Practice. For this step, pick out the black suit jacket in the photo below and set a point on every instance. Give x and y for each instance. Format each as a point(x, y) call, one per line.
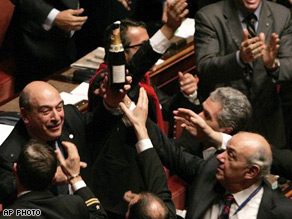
point(204, 188)
point(39, 52)
point(75, 130)
point(217, 39)
point(62, 206)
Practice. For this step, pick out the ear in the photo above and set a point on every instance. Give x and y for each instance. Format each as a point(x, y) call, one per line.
point(227, 130)
point(253, 172)
point(24, 116)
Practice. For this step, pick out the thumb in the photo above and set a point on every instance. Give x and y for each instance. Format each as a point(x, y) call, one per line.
point(262, 37)
point(245, 34)
point(180, 75)
point(83, 164)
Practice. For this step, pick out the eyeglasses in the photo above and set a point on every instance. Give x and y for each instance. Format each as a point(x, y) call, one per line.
point(133, 46)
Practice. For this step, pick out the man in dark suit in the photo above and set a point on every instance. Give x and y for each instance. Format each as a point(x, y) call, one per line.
point(155, 201)
point(44, 117)
point(43, 37)
point(35, 171)
point(112, 148)
point(239, 171)
point(228, 55)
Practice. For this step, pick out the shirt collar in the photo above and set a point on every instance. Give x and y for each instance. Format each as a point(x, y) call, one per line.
point(243, 13)
point(241, 196)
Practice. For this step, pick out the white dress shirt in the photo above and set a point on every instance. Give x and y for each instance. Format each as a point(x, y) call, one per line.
point(250, 210)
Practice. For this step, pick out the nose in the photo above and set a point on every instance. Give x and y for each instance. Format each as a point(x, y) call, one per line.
point(221, 157)
point(55, 115)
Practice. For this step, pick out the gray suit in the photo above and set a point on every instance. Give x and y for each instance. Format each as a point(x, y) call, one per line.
point(219, 35)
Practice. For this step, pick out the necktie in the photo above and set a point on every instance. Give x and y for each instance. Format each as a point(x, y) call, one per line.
point(250, 25)
point(228, 200)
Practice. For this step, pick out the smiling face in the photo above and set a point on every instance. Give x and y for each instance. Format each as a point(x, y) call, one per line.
point(45, 118)
point(249, 5)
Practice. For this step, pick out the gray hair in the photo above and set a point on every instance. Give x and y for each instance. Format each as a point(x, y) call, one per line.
point(236, 109)
point(263, 159)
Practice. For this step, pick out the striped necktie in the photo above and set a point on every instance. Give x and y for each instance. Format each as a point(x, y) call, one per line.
point(228, 200)
point(250, 25)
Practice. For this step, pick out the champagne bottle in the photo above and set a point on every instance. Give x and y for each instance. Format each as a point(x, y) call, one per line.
point(116, 60)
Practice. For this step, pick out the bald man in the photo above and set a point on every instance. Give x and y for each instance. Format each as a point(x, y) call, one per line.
point(238, 172)
point(44, 117)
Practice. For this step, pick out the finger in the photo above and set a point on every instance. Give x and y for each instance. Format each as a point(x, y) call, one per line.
point(125, 109)
point(70, 148)
point(180, 76)
point(83, 164)
point(245, 34)
point(59, 156)
point(262, 37)
point(78, 11)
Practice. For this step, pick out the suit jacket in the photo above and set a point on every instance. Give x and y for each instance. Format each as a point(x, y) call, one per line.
point(39, 52)
point(62, 206)
point(204, 188)
point(217, 39)
point(74, 130)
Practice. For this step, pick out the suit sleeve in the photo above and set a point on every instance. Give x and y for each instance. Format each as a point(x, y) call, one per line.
point(142, 61)
point(36, 9)
point(173, 156)
point(94, 207)
point(154, 177)
point(212, 63)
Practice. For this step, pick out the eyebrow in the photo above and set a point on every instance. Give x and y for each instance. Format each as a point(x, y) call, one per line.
point(47, 106)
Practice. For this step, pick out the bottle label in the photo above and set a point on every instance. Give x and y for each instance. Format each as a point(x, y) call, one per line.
point(119, 73)
point(116, 48)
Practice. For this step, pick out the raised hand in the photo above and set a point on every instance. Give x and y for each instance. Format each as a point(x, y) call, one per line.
point(70, 20)
point(138, 116)
point(176, 13)
point(251, 49)
point(71, 165)
point(198, 127)
point(270, 51)
point(112, 97)
point(188, 83)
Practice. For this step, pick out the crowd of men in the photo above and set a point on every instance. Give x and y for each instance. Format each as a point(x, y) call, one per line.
point(108, 162)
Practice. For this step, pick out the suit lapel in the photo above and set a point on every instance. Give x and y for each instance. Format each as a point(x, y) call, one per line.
point(265, 21)
point(233, 22)
point(267, 203)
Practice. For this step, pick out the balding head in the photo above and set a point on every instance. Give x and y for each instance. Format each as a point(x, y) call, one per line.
point(41, 108)
point(259, 151)
point(246, 161)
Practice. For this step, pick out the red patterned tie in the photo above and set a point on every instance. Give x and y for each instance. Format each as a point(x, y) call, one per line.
point(228, 200)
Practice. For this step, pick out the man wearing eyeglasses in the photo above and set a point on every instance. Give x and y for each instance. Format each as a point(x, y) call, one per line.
point(114, 151)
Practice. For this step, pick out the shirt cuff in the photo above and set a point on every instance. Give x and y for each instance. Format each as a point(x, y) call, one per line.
point(78, 185)
point(143, 145)
point(50, 19)
point(159, 42)
point(193, 98)
point(239, 60)
point(225, 140)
